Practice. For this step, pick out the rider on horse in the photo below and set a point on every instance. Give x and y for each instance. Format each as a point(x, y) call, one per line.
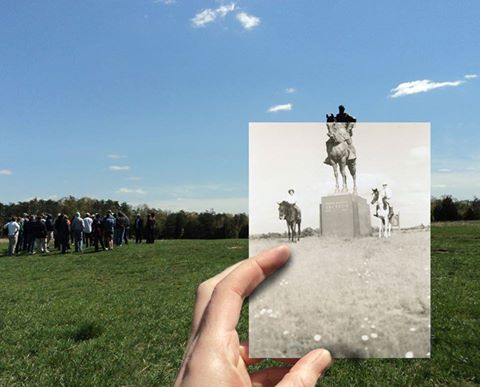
point(348, 122)
point(292, 199)
point(386, 196)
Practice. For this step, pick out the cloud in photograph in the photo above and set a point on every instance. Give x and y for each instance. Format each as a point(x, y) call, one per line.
point(290, 90)
point(116, 156)
point(280, 108)
point(247, 21)
point(166, 2)
point(209, 15)
point(138, 191)
point(471, 76)
point(117, 168)
point(421, 86)
point(6, 172)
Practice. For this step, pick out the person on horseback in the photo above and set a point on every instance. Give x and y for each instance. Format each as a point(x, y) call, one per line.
point(342, 118)
point(386, 197)
point(292, 199)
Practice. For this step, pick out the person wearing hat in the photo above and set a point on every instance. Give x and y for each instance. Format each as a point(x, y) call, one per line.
point(345, 119)
point(386, 196)
point(292, 199)
point(108, 228)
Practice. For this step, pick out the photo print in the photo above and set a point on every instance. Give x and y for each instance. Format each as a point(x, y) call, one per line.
point(352, 201)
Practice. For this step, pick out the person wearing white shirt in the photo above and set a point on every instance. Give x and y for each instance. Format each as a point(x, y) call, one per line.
point(292, 199)
point(386, 196)
point(13, 229)
point(87, 231)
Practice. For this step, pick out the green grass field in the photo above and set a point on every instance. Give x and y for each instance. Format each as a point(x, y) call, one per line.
point(122, 317)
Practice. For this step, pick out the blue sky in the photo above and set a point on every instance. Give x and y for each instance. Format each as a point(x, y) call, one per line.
point(165, 90)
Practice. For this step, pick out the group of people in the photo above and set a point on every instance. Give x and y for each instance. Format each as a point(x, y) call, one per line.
point(31, 234)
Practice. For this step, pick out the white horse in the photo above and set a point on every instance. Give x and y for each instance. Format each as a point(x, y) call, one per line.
point(384, 213)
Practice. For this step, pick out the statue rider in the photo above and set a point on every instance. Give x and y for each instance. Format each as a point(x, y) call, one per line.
point(342, 118)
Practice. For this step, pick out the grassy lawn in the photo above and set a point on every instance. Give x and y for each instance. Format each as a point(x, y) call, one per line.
point(122, 317)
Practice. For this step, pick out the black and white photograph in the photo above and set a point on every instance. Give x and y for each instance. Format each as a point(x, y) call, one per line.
point(352, 201)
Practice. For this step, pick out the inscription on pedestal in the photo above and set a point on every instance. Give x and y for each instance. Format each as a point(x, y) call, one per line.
point(345, 215)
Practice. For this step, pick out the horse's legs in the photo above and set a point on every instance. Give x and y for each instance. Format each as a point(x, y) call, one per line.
point(352, 167)
point(288, 231)
point(344, 175)
point(335, 172)
point(299, 230)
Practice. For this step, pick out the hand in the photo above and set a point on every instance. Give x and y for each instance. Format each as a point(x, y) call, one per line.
point(214, 355)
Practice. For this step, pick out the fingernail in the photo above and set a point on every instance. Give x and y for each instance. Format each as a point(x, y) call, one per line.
point(324, 356)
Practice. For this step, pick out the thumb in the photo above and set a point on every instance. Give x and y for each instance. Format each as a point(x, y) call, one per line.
point(308, 369)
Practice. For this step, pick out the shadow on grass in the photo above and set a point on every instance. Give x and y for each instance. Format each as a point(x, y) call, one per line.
point(86, 331)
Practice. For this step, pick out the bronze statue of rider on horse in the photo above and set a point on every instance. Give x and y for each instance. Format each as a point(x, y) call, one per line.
point(348, 122)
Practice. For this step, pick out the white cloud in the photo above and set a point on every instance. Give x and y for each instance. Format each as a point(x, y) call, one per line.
point(119, 167)
point(280, 108)
point(209, 15)
point(421, 86)
point(290, 90)
point(248, 21)
point(166, 2)
point(6, 172)
point(116, 157)
point(471, 76)
point(134, 178)
point(444, 170)
point(138, 191)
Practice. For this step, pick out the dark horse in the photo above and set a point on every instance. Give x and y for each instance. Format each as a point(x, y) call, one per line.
point(292, 214)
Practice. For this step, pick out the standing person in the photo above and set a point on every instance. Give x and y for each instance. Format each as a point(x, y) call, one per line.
point(29, 234)
point(119, 229)
point(50, 228)
point(138, 229)
point(126, 234)
point(87, 232)
point(150, 229)
point(25, 233)
point(98, 232)
point(108, 229)
point(56, 225)
point(63, 233)
point(21, 223)
point(78, 226)
point(40, 235)
point(13, 229)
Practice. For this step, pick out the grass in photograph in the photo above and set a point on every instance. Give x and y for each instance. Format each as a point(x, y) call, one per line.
point(122, 317)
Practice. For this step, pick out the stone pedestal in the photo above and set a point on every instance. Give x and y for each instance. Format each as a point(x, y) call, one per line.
point(345, 215)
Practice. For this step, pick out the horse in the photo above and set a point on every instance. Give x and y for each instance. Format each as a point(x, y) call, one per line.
point(384, 212)
point(293, 216)
point(338, 148)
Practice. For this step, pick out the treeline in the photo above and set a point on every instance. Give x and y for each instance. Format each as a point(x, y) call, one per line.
point(169, 225)
point(448, 208)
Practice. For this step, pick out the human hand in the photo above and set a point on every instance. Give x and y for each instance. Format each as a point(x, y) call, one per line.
point(214, 355)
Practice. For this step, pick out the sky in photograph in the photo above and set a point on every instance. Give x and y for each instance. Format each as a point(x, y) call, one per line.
point(149, 101)
point(285, 156)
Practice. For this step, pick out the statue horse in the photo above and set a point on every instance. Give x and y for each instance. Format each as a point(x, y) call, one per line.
point(338, 148)
point(384, 212)
point(293, 216)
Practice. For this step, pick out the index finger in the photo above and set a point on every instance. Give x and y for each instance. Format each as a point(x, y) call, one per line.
point(223, 310)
